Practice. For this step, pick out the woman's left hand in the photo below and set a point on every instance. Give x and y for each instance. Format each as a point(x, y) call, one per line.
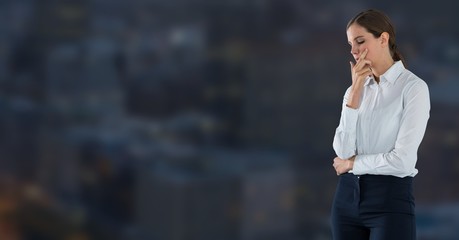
point(343, 165)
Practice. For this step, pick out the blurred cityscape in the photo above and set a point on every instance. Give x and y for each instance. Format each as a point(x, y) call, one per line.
point(200, 119)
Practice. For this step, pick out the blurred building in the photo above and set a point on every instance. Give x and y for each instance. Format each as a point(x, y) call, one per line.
point(437, 222)
point(144, 119)
point(217, 195)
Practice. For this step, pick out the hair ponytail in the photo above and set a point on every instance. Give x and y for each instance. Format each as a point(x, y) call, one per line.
point(396, 55)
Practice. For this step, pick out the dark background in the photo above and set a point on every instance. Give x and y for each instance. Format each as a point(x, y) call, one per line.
point(200, 119)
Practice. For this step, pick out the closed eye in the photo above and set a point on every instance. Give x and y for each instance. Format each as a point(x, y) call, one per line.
point(358, 41)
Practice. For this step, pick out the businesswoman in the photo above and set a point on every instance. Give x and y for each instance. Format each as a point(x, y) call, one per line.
point(383, 120)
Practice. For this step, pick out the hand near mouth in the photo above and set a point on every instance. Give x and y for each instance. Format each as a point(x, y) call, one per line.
point(360, 71)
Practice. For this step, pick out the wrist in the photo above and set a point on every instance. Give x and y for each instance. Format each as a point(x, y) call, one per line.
point(354, 98)
point(356, 86)
point(350, 163)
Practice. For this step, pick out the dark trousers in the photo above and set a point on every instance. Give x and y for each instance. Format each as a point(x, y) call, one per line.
point(373, 207)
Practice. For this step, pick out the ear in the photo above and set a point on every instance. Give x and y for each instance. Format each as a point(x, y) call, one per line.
point(384, 39)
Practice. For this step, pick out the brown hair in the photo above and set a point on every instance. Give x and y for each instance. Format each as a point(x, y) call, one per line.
point(376, 22)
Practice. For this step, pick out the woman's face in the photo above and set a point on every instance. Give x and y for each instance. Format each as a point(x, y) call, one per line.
point(360, 39)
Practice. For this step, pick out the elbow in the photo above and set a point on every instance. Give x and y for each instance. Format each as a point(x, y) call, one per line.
point(337, 149)
point(403, 164)
point(340, 151)
point(343, 154)
point(344, 146)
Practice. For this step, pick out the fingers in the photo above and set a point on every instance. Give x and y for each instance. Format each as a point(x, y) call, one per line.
point(362, 61)
point(364, 72)
point(364, 54)
point(362, 67)
point(337, 162)
point(361, 64)
point(360, 70)
point(341, 165)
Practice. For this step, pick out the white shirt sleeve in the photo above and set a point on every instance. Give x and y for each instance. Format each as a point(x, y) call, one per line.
point(344, 142)
point(402, 159)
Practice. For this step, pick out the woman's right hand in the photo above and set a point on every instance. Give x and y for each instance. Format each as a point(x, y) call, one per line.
point(360, 71)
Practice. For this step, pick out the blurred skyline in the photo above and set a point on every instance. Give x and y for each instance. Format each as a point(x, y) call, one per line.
point(199, 119)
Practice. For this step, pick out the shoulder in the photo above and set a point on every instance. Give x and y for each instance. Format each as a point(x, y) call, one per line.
point(411, 82)
point(414, 89)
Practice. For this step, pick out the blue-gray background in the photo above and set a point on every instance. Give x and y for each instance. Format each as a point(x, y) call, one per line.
point(200, 119)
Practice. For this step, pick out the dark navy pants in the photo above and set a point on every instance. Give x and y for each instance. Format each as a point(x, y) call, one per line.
point(373, 207)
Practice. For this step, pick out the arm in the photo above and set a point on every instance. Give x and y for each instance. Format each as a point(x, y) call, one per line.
point(344, 142)
point(402, 159)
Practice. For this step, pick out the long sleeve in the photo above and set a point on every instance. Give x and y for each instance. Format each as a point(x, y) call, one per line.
point(402, 159)
point(344, 142)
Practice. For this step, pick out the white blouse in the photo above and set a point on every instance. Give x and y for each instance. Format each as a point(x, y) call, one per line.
point(385, 131)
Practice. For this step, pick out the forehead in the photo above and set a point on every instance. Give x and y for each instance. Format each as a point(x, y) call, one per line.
point(356, 30)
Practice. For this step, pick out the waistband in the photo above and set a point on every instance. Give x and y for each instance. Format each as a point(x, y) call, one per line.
point(379, 178)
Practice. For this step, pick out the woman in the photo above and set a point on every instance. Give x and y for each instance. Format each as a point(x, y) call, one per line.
point(383, 120)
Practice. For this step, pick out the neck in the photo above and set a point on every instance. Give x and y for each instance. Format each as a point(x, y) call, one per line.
point(380, 68)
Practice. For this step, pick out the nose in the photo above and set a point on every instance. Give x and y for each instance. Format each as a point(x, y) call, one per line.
point(354, 50)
